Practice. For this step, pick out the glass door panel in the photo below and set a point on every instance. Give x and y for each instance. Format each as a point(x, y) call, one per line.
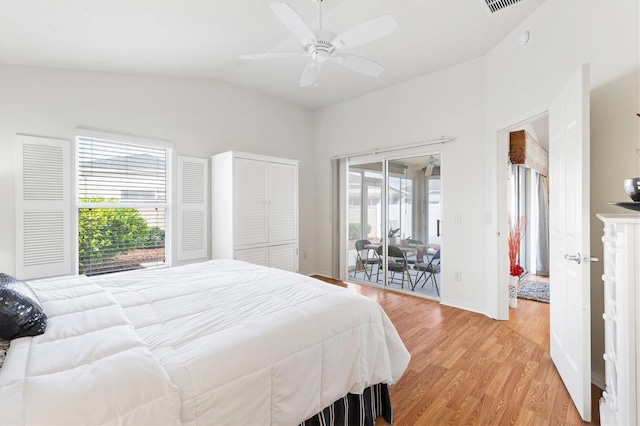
point(414, 215)
point(400, 214)
point(434, 210)
point(364, 221)
point(429, 275)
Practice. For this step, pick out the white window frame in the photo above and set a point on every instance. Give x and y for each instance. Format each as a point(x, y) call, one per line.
point(82, 133)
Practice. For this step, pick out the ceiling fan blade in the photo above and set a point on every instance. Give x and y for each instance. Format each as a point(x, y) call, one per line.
point(271, 55)
point(366, 32)
point(310, 74)
point(293, 21)
point(360, 65)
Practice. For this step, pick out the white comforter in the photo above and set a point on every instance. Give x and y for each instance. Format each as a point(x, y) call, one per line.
point(89, 367)
point(243, 344)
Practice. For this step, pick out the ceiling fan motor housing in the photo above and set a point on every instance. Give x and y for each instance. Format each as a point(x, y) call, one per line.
point(322, 48)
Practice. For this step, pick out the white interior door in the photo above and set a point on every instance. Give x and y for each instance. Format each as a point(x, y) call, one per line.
point(569, 239)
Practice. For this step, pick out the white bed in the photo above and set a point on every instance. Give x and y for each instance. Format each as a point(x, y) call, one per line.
point(220, 342)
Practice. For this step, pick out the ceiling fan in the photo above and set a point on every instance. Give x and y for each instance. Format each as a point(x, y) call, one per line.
point(322, 45)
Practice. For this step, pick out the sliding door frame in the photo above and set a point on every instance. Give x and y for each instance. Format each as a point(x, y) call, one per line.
point(384, 158)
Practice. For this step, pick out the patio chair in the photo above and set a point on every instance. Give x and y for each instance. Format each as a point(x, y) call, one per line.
point(432, 268)
point(396, 263)
point(363, 259)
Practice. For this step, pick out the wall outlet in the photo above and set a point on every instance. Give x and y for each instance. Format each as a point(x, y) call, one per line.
point(458, 218)
point(304, 254)
point(457, 276)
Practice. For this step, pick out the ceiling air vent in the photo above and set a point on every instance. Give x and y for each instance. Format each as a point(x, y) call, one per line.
point(497, 5)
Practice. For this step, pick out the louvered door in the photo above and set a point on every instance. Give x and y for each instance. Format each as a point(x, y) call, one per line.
point(283, 195)
point(43, 240)
point(284, 257)
point(251, 201)
point(257, 256)
point(192, 208)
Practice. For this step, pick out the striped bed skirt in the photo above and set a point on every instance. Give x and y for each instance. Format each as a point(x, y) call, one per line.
point(356, 410)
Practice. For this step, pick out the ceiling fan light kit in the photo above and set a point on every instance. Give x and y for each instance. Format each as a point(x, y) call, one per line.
point(322, 45)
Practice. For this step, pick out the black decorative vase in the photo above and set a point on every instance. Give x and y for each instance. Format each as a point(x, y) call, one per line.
point(632, 187)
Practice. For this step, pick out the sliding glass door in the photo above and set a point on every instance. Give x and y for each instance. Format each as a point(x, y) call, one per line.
point(364, 220)
point(394, 219)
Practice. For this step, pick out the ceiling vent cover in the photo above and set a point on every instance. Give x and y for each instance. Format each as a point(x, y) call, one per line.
point(497, 5)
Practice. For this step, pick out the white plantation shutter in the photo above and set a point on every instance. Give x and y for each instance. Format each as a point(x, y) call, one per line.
point(193, 175)
point(43, 238)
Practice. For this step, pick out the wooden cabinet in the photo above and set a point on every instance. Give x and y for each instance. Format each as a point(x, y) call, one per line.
point(254, 206)
point(620, 401)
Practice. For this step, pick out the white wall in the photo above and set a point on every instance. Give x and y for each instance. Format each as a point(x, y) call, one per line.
point(447, 103)
point(472, 102)
point(520, 80)
point(201, 117)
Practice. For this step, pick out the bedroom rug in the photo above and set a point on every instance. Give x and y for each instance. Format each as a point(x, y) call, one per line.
point(534, 290)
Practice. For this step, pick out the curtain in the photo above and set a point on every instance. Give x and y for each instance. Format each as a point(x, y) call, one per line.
point(542, 246)
point(338, 211)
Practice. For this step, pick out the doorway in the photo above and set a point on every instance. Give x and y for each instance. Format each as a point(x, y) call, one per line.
point(529, 207)
point(569, 234)
point(394, 214)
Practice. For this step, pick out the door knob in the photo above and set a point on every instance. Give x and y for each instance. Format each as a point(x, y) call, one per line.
point(575, 258)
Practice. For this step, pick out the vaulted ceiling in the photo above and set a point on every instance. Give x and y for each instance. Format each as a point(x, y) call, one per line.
point(203, 39)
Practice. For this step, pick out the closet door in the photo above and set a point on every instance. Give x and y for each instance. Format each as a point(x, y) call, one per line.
point(251, 202)
point(257, 256)
point(284, 257)
point(283, 202)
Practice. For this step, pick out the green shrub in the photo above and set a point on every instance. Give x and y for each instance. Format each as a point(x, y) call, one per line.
point(154, 238)
point(354, 231)
point(106, 232)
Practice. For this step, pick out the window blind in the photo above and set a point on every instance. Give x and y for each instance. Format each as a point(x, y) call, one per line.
point(122, 209)
point(121, 172)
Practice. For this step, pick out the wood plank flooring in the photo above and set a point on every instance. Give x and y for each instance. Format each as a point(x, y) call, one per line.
point(467, 369)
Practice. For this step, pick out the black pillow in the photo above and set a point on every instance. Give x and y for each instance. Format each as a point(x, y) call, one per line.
point(21, 313)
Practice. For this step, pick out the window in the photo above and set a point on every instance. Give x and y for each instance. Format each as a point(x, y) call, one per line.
point(122, 207)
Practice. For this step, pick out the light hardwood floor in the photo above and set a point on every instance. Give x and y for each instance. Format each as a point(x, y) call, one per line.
point(467, 369)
